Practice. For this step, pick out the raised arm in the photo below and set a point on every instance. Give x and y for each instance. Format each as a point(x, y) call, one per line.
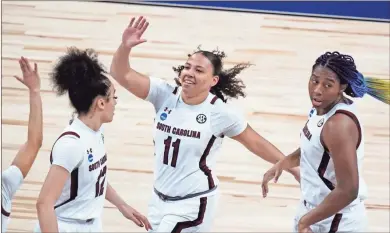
point(136, 83)
point(25, 157)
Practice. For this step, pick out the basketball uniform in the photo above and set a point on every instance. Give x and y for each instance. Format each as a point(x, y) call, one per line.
point(186, 142)
point(11, 180)
point(81, 151)
point(318, 176)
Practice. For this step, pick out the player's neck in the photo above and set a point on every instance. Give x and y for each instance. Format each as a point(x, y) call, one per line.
point(92, 122)
point(194, 100)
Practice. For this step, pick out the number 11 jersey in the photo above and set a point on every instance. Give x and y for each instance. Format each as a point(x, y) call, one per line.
point(81, 151)
point(187, 139)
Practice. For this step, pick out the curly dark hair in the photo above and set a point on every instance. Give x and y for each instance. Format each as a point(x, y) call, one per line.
point(228, 86)
point(80, 74)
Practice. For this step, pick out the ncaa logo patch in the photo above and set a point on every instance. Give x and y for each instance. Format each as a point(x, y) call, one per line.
point(311, 112)
point(90, 157)
point(201, 118)
point(163, 116)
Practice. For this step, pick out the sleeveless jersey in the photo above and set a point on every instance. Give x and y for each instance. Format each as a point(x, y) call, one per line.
point(81, 151)
point(187, 139)
point(318, 176)
point(11, 180)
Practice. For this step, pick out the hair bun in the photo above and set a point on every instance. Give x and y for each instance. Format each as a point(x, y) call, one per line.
point(76, 68)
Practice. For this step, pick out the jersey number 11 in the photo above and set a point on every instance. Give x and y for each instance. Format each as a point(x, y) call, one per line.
point(175, 145)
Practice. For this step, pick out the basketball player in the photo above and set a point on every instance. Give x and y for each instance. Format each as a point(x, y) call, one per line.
point(331, 149)
point(191, 121)
point(12, 178)
point(73, 194)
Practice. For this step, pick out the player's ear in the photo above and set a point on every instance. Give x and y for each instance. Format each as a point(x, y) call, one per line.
point(99, 103)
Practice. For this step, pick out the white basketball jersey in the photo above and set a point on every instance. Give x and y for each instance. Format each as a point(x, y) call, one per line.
point(11, 180)
point(318, 176)
point(83, 195)
point(187, 139)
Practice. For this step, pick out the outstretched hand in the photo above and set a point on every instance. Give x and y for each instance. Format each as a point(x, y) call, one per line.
point(133, 215)
point(273, 173)
point(132, 35)
point(31, 77)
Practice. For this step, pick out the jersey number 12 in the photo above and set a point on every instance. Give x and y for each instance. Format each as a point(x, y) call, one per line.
point(100, 186)
point(175, 145)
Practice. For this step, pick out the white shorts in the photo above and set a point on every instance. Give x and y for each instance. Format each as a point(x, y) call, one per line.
point(352, 219)
point(190, 215)
point(76, 226)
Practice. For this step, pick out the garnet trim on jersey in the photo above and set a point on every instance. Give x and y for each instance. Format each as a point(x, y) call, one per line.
point(202, 163)
point(74, 175)
point(4, 212)
point(335, 223)
point(334, 226)
point(199, 220)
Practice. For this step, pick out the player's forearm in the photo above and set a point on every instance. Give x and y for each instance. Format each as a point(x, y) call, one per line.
point(113, 197)
point(47, 218)
point(332, 204)
point(35, 123)
point(291, 161)
point(120, 65)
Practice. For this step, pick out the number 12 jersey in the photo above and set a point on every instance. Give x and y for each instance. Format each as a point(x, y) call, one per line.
point(81, 151)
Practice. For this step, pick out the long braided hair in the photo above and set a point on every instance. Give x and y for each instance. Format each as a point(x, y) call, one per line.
point(357, 85)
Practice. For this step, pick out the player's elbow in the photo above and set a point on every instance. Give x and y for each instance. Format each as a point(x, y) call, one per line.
point(351, 191)
point(35, 143)
point(43, 205)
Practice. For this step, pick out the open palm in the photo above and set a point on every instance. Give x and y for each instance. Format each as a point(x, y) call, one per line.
point(132, 35)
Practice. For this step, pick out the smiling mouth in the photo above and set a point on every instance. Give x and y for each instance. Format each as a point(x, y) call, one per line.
point(188, 82)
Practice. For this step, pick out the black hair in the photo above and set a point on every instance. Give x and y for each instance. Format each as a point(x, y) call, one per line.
point(228, 86)
point(345, 69)
point(80, 74)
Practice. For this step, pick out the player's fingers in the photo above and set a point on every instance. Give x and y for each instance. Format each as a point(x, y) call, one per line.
point(265, 189)
point(138, 21)
point(146, 222)
point(35, 67)
point(136, 220)
point(141, 24)
point(18, 78)
point(277, 175)
point(27, 63)
point(131, 22)
point(22, 66)
point(143, 29)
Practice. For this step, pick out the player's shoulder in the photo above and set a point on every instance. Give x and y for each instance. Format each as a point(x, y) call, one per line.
point(221, 109)
point(69, 137)
point(163, 83)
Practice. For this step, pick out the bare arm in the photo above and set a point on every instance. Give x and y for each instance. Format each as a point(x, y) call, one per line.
point(50, 192)
point(136, 83)
point(127, 211)
point(259, 146)
point(113, 197)
point(25, 157)
point(292, 160)
point(340, 135)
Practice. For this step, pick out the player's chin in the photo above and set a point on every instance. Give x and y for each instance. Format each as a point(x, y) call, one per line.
point(189, 90)
point(110, 118)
